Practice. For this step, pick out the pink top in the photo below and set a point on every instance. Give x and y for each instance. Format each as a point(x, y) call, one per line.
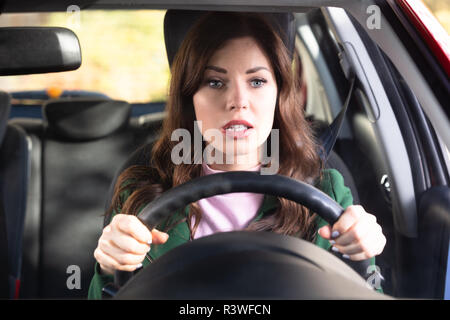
point(227, 212)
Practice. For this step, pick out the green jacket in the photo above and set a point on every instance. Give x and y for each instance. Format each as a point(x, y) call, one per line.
point(331, 184)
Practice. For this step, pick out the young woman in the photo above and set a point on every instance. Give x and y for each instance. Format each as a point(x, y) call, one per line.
point(234, 76)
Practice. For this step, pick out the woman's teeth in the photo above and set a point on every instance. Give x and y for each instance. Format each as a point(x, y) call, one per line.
point(237, 127)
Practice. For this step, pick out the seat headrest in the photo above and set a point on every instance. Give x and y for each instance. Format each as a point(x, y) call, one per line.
point(5, 110)
point(178, 22)
point(84, 119)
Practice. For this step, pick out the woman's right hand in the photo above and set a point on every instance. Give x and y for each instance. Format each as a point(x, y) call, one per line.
point(124, 244)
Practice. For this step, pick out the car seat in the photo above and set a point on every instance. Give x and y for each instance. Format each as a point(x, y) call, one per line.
point(71, 157)
point(6, 282)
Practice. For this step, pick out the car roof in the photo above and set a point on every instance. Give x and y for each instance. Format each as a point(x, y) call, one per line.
point(243, 5)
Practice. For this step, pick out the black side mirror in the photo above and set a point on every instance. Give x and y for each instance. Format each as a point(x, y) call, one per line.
point(29, 50)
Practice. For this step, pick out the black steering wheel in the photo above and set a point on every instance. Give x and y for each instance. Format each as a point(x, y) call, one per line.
point(245, 265)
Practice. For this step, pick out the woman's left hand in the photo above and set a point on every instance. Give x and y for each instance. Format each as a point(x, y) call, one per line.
point(356, 234)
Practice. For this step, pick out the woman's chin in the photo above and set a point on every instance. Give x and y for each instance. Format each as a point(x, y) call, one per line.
point(240, 155)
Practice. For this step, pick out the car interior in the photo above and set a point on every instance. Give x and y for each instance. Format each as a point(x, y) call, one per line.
point(60, 157)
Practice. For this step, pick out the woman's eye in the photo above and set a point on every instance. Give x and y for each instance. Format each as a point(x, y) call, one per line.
point(256, 83)
point(216, 84)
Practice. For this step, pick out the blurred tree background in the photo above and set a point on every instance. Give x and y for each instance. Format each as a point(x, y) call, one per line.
point(123, 54)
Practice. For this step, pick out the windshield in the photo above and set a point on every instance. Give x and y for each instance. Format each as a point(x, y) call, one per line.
point(72, 135)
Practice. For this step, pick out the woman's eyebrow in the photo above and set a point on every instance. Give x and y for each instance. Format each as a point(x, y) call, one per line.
point(255, 69)
point(221, 70)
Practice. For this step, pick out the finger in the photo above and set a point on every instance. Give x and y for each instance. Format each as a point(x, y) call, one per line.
point(159, 237)
point(325, 232)
point(105, 261)
point(350, 216)
point(370, 247)
point(356, 234)
point(128, 244)
point(120, 256)
point(359, 256)
point(134, 227)
point(351, 249)
point(109, 264)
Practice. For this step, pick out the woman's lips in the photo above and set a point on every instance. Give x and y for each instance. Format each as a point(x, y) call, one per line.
point(238, 122)
point(237, 134)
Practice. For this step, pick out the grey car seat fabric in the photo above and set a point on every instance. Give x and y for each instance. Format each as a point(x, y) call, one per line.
point(336, 162)
point(72, 156)
point(13, 184)
point(5, 110)
point(6, 281)
point(178, 22)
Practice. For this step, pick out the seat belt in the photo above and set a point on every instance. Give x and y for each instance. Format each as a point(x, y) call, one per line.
point(328, 139)
point(330, 135)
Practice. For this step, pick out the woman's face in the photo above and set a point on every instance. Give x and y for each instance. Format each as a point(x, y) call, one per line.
point(237, 98)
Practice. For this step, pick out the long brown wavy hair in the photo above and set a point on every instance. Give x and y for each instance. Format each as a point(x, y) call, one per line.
point(298, 157)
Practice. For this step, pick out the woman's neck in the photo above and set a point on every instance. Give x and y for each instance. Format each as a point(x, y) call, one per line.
point(238, 162)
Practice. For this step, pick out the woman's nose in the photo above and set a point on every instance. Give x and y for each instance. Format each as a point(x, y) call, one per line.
point(238, 96)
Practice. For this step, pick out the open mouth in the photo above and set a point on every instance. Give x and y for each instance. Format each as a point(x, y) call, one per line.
point(237, 129)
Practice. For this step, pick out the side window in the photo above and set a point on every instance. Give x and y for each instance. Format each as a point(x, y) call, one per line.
point(317, 105)
point(326, 84)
